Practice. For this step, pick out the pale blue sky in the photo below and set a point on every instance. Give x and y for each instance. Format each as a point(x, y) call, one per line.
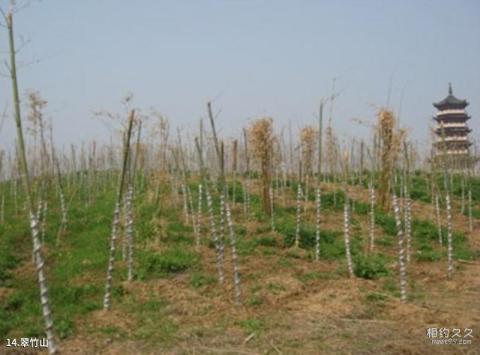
point(256, 58)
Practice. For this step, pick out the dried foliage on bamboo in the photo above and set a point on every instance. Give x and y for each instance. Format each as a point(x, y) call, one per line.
point(261, 139)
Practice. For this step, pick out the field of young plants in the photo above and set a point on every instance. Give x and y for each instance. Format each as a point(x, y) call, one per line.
point(275, 241)
point(159, 244)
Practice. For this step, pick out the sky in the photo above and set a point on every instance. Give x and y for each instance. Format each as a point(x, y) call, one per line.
point(252, 58)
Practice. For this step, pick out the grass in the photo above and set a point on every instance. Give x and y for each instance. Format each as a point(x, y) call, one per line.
point(153, 320)
point(387, 222)
point(461, 248)
point(8, 244)
point(76, 269)
point(375, 305)
point(313, 276)
point(198, 280)
point(275, 288)
point(251, 325)
point(425, 240)
point(161, 264)
point(419, 187)
point(255, 300)
point(391, 287)
point(267, 241)
point(426, 253)
point(82, 252)
point(332, 245)
point(370, 267)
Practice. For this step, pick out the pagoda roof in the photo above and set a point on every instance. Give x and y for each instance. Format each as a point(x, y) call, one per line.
point(450, 100)
point(452, 117)
point(453, 144)
point(453, 129)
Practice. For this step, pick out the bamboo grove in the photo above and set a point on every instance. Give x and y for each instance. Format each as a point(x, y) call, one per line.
point(219, 184)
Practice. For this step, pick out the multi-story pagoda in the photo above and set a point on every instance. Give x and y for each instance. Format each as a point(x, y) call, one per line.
point(452, 143)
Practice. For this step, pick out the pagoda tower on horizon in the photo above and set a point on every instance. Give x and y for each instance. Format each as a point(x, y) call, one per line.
point(452, 144)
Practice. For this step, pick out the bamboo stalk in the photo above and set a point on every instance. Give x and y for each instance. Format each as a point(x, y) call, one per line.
point(470, 216)
point(272, 211)
point(346, 234)
point(320, 137)
point(401, 249)
point(34, 227)
point(129, 231)
point(213, 230)
point(116, 214)
point(297, 230)
point(408, 223)
point(318, 203)
point(233, 245)
point(439, 222)
point(372, 217)
point(199, 216)
point(449, 237)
